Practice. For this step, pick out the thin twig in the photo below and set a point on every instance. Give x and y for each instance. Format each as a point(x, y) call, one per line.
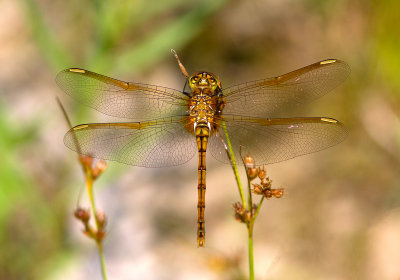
point(78, 148)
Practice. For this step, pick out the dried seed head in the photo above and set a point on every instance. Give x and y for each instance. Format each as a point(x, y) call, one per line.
point(261, 173)
point(238, 207)
point(92, 168)
point(101, 219)
point(249, 161)
point(266, 183)
point(86, 161)
point(247, 217)
point(100, 234)
point(267, 193)
point(98, 169)
point(278, 193)
point(257, 189)
point(239, 218)
point(251, 173)
point(241, 214)
point(82, 215)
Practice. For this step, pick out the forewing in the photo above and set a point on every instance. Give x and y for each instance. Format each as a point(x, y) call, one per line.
point(147, 144)
point(121, 99)
point(265, 98)
point(275, 140)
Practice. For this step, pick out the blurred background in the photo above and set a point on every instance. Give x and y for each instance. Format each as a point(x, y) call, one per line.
point(340, 218)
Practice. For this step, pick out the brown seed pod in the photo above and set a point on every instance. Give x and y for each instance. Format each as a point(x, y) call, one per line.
point(261, 173)
point(249, 161)
point(98, 169)
point(257, 189)
point(101, 219)
point(278, 193)
point(82, 214)
point(266, 183)
point(252, 173)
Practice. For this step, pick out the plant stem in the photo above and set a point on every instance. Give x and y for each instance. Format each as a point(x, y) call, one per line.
point(250, 227)
point(251, 255)
point(258, 208)
point(250, 224)
point(89, 186)
point(102, 260)
point(233, 161)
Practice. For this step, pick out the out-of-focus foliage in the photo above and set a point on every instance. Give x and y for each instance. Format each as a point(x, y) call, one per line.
point(28, 222)
point(123, 35)
point(341, 217)
point(385, 45)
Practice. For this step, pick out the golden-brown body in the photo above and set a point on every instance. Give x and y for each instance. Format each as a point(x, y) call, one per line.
point(204, 107)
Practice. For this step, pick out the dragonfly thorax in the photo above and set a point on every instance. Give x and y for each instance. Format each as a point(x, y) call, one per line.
point(201, 110)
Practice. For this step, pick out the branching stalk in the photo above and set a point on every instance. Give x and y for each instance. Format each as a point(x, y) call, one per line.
point(91, 174)
point(249, 214)
point(250, 223)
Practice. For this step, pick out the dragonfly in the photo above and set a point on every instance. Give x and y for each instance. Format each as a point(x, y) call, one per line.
point(167, 127)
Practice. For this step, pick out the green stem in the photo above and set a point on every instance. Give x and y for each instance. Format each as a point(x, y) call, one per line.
point(89, 186)
point(250, 224)
point(102, 260)
point(258, 208)
point(251, 255)
point(234, 167)
point(250, 235)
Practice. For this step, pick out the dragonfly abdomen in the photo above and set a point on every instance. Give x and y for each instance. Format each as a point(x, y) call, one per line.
point(202, 133)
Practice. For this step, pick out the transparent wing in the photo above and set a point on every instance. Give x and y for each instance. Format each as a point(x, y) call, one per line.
point(275, 140)
point(264, 98)
point(121, 99)
point(148, 144)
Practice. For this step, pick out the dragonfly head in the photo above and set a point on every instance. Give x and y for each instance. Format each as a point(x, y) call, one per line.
point(204, 80)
